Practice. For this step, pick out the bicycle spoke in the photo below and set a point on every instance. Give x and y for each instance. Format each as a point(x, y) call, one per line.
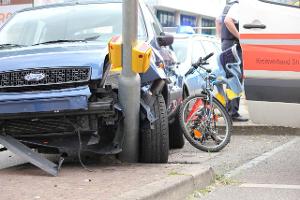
point(206, 124)
point(194, 109)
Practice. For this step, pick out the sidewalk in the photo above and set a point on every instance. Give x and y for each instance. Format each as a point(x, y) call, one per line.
point(106, 181)
point(251, 128)
point(186, 171)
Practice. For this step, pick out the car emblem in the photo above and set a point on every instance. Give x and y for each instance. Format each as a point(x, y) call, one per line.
point(36, 76)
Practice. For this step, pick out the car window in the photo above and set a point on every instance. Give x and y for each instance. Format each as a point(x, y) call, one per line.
point(155, 23)
point(67, 23)
point(293, 3)
point(198, 50)
point(210, 47)
point(142, 32)
point(181, 49)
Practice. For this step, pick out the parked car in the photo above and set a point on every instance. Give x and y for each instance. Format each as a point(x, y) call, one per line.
point(56, 86)
point(188, 49)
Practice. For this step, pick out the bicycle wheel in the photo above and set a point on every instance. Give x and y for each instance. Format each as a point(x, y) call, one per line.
point(207, 127)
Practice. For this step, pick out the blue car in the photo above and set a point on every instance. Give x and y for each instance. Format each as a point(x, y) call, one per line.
point(58, 94)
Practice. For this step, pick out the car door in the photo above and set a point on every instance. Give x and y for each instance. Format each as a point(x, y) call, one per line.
point(270, 39)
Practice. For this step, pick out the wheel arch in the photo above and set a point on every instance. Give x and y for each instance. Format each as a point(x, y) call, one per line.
point(185, 92)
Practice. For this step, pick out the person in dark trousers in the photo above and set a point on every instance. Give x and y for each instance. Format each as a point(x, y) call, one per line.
point(229, 37)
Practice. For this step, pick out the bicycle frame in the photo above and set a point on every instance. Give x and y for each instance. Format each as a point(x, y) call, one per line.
point(219, 94)
point(208, 91)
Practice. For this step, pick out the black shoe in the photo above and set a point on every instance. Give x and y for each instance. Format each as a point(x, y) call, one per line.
point(239, 119)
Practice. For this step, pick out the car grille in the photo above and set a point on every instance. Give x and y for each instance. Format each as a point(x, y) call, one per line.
point(29, 126)
point(51, 76)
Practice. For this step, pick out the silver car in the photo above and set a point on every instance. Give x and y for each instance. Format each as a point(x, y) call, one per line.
point(188, 49)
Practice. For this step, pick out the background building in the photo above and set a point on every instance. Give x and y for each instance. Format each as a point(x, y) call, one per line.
point(8, 7)
point(14, 2)
point(196, 13)
point(33, 2)
point(170, 13)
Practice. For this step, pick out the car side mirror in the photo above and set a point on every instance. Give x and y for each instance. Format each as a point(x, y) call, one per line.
point(165, 40)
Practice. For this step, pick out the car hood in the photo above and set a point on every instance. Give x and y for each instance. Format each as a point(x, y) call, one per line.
point(58, 55)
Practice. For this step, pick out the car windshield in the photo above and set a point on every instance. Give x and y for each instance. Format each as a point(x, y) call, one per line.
point(65, 23)
point(181, 49)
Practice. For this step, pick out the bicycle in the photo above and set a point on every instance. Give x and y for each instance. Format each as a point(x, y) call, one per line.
point(204, 120)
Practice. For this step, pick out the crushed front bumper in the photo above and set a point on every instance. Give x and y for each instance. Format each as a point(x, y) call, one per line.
point(44, 101)
point(71, 101)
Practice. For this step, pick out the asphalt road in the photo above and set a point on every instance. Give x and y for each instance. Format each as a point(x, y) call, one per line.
point(272, 175)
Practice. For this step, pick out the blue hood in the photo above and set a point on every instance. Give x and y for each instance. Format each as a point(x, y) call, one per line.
point(78, 54)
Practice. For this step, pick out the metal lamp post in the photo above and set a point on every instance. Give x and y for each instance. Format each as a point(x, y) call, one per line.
point(129, 83)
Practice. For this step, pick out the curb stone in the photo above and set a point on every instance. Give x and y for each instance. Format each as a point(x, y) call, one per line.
point(176, 186)
point(254, 129)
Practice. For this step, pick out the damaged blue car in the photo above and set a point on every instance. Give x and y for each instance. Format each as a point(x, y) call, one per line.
point(58, 94)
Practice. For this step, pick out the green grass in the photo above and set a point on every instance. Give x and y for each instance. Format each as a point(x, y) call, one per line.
point(219, 180)
point(223, 180)
point(174, 173)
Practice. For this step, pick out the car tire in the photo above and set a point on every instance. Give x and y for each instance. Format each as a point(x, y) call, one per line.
point(154, 146)
point(176, 134)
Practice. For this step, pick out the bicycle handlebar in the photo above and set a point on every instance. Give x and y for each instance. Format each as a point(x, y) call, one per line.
point(208, 56)
point(200, 63)
point(191, 70)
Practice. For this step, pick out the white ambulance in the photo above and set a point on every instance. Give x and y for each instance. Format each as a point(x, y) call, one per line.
point(270, 39)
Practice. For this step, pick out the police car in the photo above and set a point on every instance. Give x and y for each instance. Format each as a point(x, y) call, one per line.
point(188, 49)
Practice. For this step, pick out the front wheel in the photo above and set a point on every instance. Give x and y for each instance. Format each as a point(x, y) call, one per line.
point(207, 126)
point(154, 144)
